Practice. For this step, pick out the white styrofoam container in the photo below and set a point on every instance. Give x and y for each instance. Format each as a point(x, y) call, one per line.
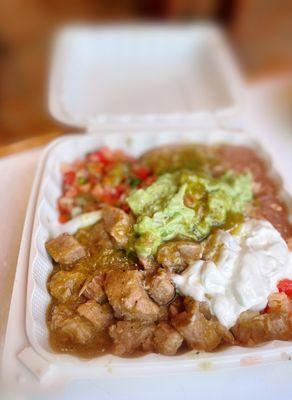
point(130, 88)
point(110, 76)
point(40, 265)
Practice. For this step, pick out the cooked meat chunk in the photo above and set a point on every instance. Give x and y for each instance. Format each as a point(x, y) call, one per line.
point(118, 224)
point(65, 249)
point(191, 306)
point(167, 340)
point(161, 288)
point(178, 254)
point(149, 264)
point(77, 329)
point(60, 313)
point(176, 307)
point(94, 236)
point(131, 336)
point(106, 260)
point(128, 297)
point(280, 302)
point(70, 328)
point(279, 326)
point(64, 284)
point(163, 313)
point(100, 316)
point(93, 288)
point(199, 332)
point(252, 328)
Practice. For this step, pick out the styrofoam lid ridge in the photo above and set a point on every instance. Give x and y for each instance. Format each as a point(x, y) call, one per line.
point(109, 72)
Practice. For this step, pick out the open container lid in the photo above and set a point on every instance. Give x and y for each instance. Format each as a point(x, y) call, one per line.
point(111, 75)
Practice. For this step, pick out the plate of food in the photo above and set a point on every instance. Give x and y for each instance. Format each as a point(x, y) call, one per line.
point(167, 249)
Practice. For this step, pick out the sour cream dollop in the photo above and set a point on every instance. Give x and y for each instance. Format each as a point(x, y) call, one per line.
point(245, 272)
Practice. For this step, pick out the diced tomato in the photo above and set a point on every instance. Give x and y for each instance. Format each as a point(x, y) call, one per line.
point(85, 188)
point(141, 172)
point(64, 218)
point(69, 177)
point(93, 157)
point(65, 204)
point(189, 200)
point(125, 207)
point(71, 192)
point(123, 188)
point(285, 286)
point(148, 181)
point(97, 191)
point(94, 169)
point(151, 180)
point(103, 155)
point(93, 180)
point(110, 199)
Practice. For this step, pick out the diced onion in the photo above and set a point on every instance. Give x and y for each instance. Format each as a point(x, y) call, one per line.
point(81, 221)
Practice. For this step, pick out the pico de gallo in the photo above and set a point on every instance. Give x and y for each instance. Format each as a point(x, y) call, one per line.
point(104, 176)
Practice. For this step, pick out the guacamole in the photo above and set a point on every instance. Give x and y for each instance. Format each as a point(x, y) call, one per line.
point(184, 204)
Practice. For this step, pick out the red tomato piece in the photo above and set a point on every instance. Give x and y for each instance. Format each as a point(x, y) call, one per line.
point(64, 218)
point(148, 181)
point(69, 177)
point(94, 169)
point(93, 157)
point(105, 155)
point(141, 172)
point(125, 207)
point(97, 191)
point(285, 286)
point(85, 188)
point(71, 192)
point(65, 204)
point(110, 199)
point(123, 188)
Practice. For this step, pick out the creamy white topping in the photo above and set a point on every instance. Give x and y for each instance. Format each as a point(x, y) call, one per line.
point(246, 271)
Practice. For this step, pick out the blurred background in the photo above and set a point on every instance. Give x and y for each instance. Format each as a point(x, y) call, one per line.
point(260, 32)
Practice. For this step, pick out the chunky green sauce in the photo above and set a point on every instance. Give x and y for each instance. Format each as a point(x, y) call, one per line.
point(185, 204)
point(193, 157)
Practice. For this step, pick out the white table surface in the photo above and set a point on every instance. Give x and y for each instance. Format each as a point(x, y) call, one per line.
point(274, 381)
